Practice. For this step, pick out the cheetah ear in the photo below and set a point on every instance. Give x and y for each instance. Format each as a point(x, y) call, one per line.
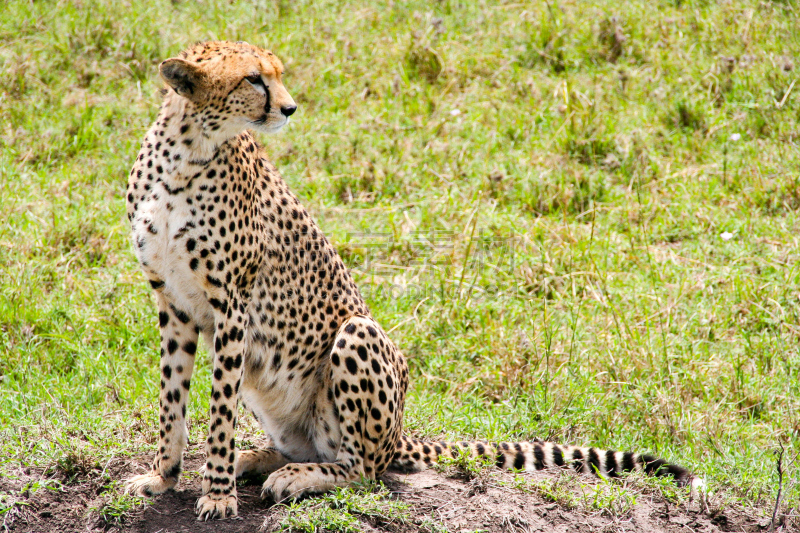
point(185, 77)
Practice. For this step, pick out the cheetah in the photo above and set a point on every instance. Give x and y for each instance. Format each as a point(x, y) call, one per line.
point(231, 254)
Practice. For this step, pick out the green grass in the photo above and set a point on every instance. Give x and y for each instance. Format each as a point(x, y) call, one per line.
point(609, 497)
point(13, 502)
point(117, 507)
point(533, 197)
point(342, 510)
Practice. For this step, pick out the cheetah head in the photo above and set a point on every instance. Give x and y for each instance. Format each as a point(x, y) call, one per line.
point(232, 87)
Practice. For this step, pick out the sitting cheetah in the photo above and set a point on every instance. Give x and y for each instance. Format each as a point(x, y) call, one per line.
point(231, 253)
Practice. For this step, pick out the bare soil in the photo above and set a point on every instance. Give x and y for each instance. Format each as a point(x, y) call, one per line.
point(459, 505)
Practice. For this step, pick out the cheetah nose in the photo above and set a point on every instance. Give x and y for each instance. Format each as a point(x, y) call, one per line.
point(288, 110)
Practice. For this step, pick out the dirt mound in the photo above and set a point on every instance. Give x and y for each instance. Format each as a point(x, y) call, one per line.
point(493, 507)
point(498, 502)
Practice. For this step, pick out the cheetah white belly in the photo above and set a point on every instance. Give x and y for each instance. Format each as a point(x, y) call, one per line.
point(285, 410)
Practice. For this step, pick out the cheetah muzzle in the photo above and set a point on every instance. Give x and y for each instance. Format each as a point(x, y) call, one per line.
point(232, 254)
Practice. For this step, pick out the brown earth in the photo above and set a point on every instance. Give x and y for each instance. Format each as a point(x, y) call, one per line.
point(486, 504)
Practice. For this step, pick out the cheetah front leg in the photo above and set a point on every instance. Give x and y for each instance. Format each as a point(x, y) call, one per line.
point(219, 498)
point(178, 347)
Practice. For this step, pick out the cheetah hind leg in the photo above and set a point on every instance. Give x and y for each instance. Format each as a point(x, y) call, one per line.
point(362, 361)
point(252, 463)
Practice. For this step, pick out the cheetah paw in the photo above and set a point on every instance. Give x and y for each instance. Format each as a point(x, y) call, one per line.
point(286, 483)
point(149, 484)
point(209, 508)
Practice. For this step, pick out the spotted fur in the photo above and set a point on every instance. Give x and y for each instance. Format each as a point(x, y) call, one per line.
point(232, 254)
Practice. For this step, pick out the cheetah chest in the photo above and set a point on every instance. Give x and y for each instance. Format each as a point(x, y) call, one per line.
point(161, 228)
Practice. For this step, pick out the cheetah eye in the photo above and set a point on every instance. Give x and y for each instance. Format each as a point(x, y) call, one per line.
point(257, 83)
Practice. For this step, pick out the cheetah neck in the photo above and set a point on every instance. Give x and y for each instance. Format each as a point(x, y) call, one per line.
point(186, 141)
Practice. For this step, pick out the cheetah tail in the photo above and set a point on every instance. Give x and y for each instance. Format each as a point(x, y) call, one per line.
point(414, 455)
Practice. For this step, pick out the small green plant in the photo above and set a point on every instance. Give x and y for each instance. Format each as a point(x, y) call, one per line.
point(9, 509)
point(73, 464)
point(609, 497)
point(341, 510)
point(432, 526)
point(320, 517)
point(12, 502)
point(613, 497)
point(465, 466)
point(560, 489)
point(664, 487)
point(35, 485)
point(688, 116)
point(422, 59)
point(118, 506)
